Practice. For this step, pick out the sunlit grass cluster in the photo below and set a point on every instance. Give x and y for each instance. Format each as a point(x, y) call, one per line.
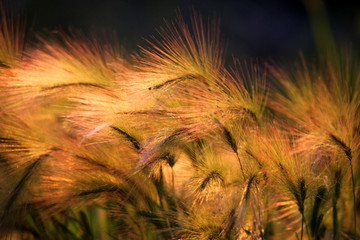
point(171, 143)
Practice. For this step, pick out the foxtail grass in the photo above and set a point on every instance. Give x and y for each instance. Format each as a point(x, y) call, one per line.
point(171, 143)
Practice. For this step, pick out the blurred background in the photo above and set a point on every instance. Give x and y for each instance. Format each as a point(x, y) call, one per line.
point(276, 29)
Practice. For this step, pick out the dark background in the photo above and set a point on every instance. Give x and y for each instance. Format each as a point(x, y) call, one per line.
point(276, 29)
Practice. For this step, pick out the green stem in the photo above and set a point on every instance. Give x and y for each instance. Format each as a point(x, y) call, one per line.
point(173, 180)
point(241, 167)
point(334, 202)
point(335, 223)
point(354, 197)
point(302, 225)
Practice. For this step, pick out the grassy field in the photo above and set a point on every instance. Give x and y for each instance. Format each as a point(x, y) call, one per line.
point(172, 143)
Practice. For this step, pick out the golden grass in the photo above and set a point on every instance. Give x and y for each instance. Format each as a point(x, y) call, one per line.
point(173, 145)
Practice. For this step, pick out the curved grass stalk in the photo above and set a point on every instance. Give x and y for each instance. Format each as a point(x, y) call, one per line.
point(240, 212)
point(69, 85)
point(17, 190)
point(348, 154)
point(179, 79)
point(232, 143)
point(134, 142)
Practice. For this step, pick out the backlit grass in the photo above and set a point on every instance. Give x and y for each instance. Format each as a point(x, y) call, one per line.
point(171, 143)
